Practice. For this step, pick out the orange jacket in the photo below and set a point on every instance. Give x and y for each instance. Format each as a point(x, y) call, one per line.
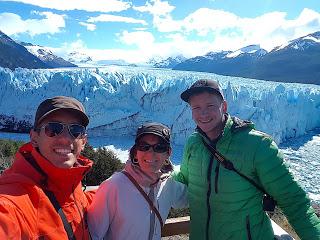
point(25, 210)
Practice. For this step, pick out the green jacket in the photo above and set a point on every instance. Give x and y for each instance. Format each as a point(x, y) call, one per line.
point(223, 205)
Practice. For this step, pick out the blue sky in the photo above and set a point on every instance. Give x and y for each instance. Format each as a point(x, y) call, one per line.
point(136, 31)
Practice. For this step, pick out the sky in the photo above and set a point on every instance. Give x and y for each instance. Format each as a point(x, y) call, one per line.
point(136, 31)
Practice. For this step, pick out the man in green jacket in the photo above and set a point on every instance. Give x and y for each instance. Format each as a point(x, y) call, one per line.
point(223, 204)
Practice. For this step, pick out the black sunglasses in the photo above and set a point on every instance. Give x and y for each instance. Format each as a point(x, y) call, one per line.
point(53, 129)
point(158, 148)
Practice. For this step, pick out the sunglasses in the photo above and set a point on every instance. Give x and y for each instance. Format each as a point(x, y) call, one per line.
point(158, 148)
point(52, 129)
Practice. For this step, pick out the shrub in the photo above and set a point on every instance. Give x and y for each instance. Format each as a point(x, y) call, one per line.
point(7, 150)
point(105, 164)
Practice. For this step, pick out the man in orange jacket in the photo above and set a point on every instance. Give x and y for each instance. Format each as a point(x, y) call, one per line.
point(41, 194)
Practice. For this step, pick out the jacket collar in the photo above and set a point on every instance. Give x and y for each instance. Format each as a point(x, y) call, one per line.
point(57, 179)
point(232, 124)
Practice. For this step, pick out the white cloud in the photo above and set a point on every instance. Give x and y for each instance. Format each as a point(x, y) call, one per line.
point(90, 6)
point(114, 18)
point(160, 11)
point(156, 8)
point(205, 20)
point(167, 24)
point(51, 23)
point(227, 31)
point(142, 39)
point(89, 26)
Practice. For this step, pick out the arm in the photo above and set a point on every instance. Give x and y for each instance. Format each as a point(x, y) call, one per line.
point(279, 183)
point(180, 194)
point(182, 174)
point(9, 227)
point(100, 211)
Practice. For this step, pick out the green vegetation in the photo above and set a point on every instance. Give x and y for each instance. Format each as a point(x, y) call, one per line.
point(7, 150)
point(105, 164)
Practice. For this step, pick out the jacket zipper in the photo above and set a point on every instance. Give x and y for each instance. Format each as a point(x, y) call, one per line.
point(248, 228)
point(208, 196)
point(216, 177)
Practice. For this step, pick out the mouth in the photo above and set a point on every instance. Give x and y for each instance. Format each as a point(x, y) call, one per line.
point(63, 151)
point(205, 121)
point(149, 161)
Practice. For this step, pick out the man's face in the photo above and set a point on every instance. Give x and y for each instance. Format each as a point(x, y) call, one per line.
point(208, 112)
point(61, 150)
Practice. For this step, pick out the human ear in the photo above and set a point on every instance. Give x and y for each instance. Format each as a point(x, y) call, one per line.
point(224, 106)
point(84, 140)
point(169, 151)
point(34, 135)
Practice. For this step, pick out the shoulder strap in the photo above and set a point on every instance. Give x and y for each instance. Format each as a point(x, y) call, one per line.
point(51, 196)
point(229, 165)
point(56, 205)
point(154, 209)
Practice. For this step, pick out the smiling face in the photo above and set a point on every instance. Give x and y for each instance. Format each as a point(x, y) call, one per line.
point(208, 113)
point(61, 150)
point(151, 161)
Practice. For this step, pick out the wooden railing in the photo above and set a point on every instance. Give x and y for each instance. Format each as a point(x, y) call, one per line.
point(176, 226)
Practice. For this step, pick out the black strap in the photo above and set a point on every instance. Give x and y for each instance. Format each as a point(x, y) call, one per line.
point(229, 165)
point(51, 196)
point(56, 205)
point(146, 197)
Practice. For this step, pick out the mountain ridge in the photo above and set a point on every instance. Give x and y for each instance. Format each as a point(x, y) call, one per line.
point(297, 61)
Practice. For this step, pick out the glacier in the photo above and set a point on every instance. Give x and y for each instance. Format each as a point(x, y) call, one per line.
point(119, 98)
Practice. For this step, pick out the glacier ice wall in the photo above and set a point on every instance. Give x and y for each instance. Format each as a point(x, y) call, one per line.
point(118, 99)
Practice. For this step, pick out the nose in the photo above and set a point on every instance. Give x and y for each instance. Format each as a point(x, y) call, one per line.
point(204, 111)
point(65, 135)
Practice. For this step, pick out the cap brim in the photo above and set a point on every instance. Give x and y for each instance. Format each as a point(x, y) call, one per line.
point(191, 91)
point(84, 117)
point(153, 133)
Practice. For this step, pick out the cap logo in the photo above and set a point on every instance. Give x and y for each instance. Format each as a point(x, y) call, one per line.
point(165, 132)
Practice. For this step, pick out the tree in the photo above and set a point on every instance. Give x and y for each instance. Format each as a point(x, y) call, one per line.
point(105, 164)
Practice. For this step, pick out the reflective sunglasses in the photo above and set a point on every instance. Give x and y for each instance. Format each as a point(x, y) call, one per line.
point(52, 129)
point(158, 148)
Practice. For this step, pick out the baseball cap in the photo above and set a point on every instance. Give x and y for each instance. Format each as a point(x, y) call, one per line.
point(51, 105)
point(154, 128)
point(203, 85)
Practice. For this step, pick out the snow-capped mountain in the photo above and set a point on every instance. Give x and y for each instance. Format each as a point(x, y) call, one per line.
point(46, 55)
point(296, 61)
point(170, 62)
point(253, 50)
point(77, 57)
point(118, 99)
point(14, 55)
point(301, 44)
point(229, 63)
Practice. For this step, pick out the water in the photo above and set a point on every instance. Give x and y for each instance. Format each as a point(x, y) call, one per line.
point(301, 155)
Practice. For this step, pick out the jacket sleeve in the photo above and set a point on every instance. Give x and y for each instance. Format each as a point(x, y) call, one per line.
point(182, 174)
point(101, 210)
point(90, 194)
point(179, 194)
point(280, 184)
point(9, 221)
